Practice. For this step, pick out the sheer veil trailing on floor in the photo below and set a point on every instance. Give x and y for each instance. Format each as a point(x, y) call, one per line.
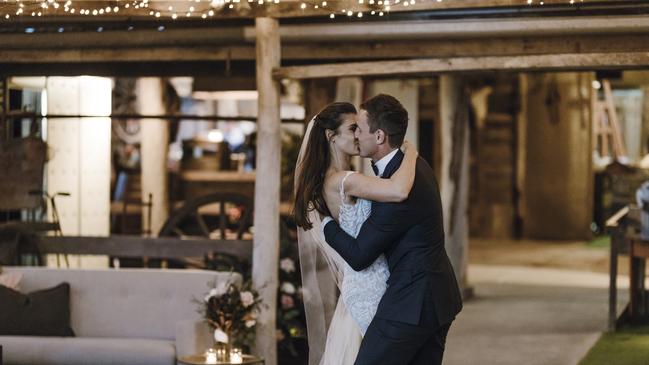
point(333, 339)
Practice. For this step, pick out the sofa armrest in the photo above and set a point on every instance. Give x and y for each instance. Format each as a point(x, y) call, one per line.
point(192, 337)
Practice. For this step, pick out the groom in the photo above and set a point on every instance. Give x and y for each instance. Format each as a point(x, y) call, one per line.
point(422, 298)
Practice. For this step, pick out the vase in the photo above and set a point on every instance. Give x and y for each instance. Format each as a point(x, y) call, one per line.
point(222, 351)
point(223, 348)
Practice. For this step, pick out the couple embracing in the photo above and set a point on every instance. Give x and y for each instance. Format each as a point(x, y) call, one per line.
point(380, 237)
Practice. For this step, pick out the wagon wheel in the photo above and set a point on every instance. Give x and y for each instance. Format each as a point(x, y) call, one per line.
point(214, 216)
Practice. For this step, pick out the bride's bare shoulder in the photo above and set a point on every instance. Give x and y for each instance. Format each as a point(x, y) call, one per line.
point(333, 180)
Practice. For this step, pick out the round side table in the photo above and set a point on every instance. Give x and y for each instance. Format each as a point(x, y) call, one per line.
point(199, 359)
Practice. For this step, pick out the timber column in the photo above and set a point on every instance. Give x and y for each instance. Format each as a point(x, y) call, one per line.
point(265, 255)
point(154, 151)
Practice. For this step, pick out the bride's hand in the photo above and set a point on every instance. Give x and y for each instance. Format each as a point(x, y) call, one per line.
point(406, 147)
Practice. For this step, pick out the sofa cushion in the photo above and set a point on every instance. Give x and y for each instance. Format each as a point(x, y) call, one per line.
point(11, 280)
point(27, 350)
point(41, 313)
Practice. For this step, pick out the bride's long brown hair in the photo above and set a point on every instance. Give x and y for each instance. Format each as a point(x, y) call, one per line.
point(315, 162)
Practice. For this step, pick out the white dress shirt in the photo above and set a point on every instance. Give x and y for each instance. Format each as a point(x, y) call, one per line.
point(383, 163)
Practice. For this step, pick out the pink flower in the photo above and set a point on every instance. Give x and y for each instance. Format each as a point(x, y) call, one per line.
point(287, 302)
point(247, 299)
point(287, 265)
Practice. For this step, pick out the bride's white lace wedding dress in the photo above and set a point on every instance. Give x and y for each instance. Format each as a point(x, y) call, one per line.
point(360, 291)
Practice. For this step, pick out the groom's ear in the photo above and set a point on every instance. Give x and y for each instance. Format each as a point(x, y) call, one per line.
point(381, 137)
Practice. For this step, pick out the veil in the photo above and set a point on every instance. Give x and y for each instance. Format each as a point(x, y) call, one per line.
point(322, 273)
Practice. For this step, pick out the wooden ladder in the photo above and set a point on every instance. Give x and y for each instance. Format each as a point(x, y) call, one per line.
point(606, 128)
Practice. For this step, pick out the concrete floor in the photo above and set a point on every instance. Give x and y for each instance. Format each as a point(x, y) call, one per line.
point(571, 255)
point(527, 315)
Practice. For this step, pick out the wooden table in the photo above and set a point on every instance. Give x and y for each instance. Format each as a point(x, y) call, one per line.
point(199, 359)
point(198, 183)
point(638, 255)
point(623, 228)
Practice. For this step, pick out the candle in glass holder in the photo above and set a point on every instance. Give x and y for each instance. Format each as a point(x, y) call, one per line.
point(221, 355)
point(236, 356)
point(210, 356)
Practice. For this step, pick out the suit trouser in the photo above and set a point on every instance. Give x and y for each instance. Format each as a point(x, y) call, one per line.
point(395, 343)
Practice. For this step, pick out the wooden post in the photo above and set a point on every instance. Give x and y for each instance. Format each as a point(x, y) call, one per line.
point(154, 150)
point(521, 153)
point(265, 255)
point(454, 182)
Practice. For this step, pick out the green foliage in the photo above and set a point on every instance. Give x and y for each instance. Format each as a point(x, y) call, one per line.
point(291, 318)
point(600, 242)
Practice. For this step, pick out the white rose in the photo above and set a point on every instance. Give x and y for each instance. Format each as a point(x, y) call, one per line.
point(287, 265)
point(247, 299)
point(250, 323)
point(220, 289)
point(288, 288)
point(220, 336)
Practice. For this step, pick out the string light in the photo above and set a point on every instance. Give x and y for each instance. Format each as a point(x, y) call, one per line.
point(202, 9)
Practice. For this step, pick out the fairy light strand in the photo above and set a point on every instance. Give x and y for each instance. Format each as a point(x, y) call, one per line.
point(205, 9)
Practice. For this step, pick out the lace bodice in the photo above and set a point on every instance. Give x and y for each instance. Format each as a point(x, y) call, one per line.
point(361, 290)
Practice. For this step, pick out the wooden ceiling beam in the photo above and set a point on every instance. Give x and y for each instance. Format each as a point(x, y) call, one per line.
point(112, 55)
point(504, 46)
point(345, 51)
point(552, 62)
point(336, 33)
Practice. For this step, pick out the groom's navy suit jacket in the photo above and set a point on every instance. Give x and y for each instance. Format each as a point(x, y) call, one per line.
point(422, 289)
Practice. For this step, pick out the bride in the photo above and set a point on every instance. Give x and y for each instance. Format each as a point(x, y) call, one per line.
point(325, 185)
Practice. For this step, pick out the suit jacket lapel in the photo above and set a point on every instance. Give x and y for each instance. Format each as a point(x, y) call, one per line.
point(393, 165)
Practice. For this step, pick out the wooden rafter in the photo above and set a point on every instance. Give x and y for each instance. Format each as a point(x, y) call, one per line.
point(551, 62)
point(375, 50)
point(328, 34)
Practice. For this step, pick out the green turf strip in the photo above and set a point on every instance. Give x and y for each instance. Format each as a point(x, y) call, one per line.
point(628, 346)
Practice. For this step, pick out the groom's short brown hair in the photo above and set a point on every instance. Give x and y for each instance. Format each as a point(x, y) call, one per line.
point(385, 112)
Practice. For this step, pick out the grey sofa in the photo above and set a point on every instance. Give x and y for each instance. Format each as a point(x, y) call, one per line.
point(125, 316)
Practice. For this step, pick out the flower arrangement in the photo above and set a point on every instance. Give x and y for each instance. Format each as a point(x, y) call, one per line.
point(291, 318)
point(232, 312)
